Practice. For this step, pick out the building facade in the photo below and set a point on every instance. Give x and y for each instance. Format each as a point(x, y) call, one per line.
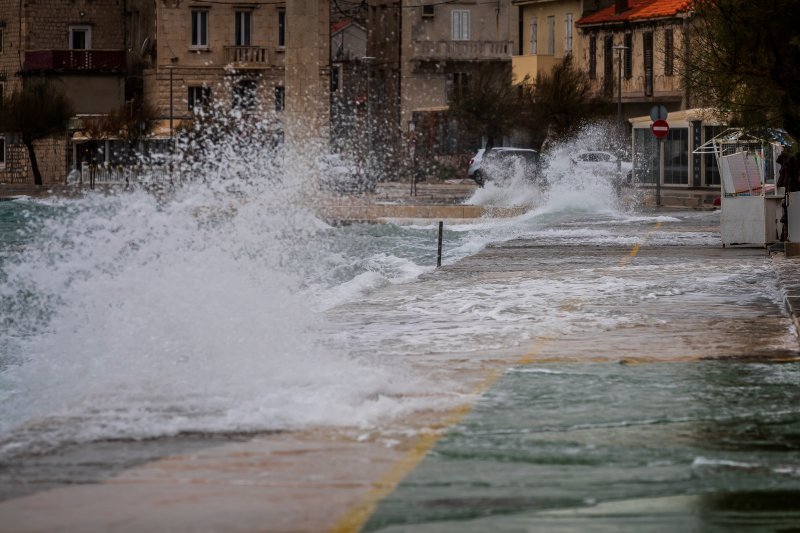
point(78, 46)
point(652, 33)
point(547, 34)
point(207, 52)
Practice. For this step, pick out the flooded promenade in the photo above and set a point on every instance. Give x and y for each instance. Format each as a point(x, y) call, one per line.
point(572, 368)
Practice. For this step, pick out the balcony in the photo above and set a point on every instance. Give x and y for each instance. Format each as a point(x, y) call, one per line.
point(247, 57)
point(80, 61)
point(461, 50)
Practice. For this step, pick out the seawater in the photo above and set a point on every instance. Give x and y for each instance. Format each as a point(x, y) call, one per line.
point(227, 306)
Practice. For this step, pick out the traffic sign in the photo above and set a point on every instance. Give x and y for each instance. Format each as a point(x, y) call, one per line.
point(660, 128)
point(658, 112)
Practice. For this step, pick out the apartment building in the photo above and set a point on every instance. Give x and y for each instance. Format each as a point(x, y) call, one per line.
point(547, 34)
point(652, 33)
point(424, 51)
point(207, 51)
point(77, 45)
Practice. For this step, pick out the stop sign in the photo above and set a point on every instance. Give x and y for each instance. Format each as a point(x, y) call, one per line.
point(660, 128)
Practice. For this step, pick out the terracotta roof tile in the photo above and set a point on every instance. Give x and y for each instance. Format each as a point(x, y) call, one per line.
point(638, 10)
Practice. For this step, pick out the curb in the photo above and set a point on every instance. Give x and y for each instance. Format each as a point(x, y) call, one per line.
point(788, 274)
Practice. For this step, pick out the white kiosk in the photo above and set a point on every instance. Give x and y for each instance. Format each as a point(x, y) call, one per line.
point(750, 201)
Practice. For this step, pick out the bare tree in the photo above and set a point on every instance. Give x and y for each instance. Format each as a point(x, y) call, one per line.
point(39, 110)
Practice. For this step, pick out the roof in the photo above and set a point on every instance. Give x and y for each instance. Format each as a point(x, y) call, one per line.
point(336, 26)
point(638, 10)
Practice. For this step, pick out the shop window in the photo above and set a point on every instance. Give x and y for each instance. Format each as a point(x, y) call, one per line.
point(2, 152)
point(645, 148)
point(676, 157)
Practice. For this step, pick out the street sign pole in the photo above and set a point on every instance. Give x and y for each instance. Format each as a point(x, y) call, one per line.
point(660, 129)
point(660, 171)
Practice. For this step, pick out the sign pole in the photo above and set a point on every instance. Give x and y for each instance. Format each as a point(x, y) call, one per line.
point(660, 129)
point(660, 171)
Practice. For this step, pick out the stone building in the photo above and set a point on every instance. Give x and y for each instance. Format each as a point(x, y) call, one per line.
point(79, 46)
point(547, 33)
point(206, 51)
point(423, 52)
point(652, 32)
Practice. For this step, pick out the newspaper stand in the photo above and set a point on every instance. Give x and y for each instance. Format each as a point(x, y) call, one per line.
point(750, 202)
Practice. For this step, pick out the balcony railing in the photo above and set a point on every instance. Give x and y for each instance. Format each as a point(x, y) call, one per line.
point(461, 50)
point(247, 56)
point(75, 61)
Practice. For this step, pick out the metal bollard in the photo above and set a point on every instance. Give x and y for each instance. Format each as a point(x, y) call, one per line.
point(439, 254)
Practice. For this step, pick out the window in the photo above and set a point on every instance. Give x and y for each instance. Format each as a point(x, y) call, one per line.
point(551, 35)
point(568, 34)
point(200, 29)
point(608, 65)
point(244, 94)
point(628, 56)
point(593, 57)
point(335, 75)
point(1, 40)
point(456, 84)
point(428, 10)
point(244, 25)
point(460, 23)
point(2, 90)
point(676, 157)
point(199, 97)
point(669, 52)
point(2, 151)
point(281, 28)
point(647, 41)
point(534, 36)
point(645, 156)
point(280, 99)
point(711, 168)
point(80, 37)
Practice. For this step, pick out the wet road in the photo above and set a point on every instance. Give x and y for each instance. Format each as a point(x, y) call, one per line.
point(636, 379)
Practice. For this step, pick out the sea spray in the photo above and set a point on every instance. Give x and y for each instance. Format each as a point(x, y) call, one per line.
point(141, 314)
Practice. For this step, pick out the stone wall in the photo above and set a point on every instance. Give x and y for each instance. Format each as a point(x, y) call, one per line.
point(47, 23)
point(51, 155)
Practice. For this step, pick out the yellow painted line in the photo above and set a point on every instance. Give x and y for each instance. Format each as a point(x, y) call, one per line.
point(355, 517)
point(635, 250)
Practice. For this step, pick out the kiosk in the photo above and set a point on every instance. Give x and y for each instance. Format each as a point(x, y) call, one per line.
point(750, 202)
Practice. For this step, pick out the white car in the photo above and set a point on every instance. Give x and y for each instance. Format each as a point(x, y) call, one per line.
point(601, 163)
point(497, 162)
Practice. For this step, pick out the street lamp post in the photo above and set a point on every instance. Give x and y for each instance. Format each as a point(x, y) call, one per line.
point(619, 48)
point(368, 60)
point(170, 68)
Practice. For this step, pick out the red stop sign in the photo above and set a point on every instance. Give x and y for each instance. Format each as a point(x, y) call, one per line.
point(660, 128)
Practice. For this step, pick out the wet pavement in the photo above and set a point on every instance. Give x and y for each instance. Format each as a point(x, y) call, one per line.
point(684, 414)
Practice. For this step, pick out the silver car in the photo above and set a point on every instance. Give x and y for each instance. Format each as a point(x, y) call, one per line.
point(497, 164)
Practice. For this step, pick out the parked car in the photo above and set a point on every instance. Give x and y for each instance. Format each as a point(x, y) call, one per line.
point(602, 164)
point(341, 176)
point(500, 163)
